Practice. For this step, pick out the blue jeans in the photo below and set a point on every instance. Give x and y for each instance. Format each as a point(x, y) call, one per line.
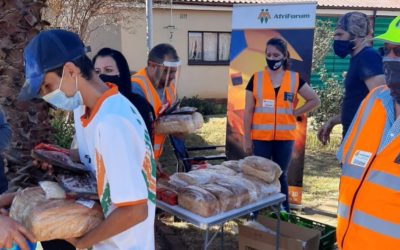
point(281, 153)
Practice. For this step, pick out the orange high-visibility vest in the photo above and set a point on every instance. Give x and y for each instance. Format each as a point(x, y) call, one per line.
point(369, 193)
point(273, 117)
point(152, 97)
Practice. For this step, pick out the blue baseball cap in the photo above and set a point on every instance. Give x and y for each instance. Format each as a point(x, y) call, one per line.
point(48, 50)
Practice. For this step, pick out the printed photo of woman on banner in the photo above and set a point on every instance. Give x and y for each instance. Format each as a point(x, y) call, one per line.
point(268, 86)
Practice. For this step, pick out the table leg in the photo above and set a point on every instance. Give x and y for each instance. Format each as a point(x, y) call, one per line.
point(222, 237)
point(206, 239)
point(278, 227)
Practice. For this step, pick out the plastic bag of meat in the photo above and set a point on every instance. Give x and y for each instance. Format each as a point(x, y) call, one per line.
point(82, 186)
point(58, 159)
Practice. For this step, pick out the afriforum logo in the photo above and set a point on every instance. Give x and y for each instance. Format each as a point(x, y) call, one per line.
point(264, 16)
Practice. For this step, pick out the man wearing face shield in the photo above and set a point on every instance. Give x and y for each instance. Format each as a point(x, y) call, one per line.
point(369, 204)
point(365, 70)
point(157, 83)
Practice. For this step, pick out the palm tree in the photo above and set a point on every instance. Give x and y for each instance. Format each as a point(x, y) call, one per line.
point(20, 21)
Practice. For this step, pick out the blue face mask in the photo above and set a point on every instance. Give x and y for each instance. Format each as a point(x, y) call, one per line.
point(343, 48)
point(58, 98)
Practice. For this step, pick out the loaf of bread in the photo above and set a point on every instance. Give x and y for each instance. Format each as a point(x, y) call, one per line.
point(261, 168)
point(221, 170)
point(179, 123)
point(236, 186)
point(227, 199)
point(199, 201)
point(54, 218)
point(264, 189)
point(234, 165)
point(195, 177)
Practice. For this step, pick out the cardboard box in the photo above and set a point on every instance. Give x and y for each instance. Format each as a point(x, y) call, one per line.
point(292, 237)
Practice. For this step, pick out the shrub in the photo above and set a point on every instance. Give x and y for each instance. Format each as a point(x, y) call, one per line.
point(331, 95)
point(205, 107)
point(63, 128)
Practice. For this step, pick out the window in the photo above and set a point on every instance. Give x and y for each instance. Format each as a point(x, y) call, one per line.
point(208, 48)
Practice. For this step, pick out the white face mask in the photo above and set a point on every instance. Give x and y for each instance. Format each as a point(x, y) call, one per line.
point(58, 98)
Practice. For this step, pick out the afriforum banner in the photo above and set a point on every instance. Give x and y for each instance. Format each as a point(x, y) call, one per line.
point(252, 27)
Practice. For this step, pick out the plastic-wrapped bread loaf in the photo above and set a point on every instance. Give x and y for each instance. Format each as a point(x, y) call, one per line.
point(234, 165)
point(54, 218)
point(199, 201)
point(179, 123)
point(236, 186)
point(195, 177)
point(261, 168)
point(264, 188)
point(221, 170)
point(227, 199)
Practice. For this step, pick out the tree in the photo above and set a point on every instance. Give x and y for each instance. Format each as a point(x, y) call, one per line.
point(323, 39)
point(85, 16)
point(20, 21)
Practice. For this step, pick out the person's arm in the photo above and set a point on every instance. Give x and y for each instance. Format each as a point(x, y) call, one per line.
point(121, 219)
point(312, 100)
point(248, 114)
point(375, 81)
point(326, 129)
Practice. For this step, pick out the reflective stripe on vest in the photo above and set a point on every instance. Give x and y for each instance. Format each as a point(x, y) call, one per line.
point(148, 91)
point(377, 225)
point(352, 171)
point(385, 180)
point(271, 127)
point(343, 211)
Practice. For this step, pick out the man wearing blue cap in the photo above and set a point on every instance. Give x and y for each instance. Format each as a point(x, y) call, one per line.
point(58, 71)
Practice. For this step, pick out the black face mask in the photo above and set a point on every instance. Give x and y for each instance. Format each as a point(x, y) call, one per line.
point(113, 79)
point(392, 75)
point(343, 48)
point(274, 64)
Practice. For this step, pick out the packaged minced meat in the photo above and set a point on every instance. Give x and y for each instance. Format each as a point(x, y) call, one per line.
point(79, 185)
point(58, 159)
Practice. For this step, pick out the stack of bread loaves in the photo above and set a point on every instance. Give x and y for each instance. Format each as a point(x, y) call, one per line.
point(220, 188)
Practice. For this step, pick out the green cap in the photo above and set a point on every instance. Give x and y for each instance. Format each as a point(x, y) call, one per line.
point(392, 35)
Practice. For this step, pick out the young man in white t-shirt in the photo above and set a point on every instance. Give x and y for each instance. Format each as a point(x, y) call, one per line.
point(117, 143)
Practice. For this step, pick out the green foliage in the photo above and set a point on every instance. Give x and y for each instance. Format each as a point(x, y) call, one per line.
point(323, 38)
point(204, 106)
point(331, 95)
point(62, 128)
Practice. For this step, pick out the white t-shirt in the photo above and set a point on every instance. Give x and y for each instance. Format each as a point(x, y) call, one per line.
point(115, 143)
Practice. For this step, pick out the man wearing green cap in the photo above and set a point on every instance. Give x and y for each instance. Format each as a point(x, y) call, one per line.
point(352, 37)
point(369, 204)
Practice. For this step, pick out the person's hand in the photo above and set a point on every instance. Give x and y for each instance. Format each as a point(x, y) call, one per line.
point(324, 132)
point(6, 199)
point(11, 231)
point(247, 145)
point(44, 166)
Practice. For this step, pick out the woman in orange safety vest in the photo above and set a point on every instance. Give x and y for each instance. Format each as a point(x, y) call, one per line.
point(270, 111)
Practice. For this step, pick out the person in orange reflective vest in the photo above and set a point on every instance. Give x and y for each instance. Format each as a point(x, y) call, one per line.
point(157, 84)
point(270, 114)
point(369, 192)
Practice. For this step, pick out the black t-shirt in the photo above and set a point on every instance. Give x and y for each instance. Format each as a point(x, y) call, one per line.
point(367, 63)
point(250, 85)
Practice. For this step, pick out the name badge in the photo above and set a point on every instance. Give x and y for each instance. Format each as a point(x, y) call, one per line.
point(268, 103)
point(361, 158)
point(288, 96)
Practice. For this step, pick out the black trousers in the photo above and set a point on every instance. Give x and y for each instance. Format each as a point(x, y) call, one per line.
point(57, 245)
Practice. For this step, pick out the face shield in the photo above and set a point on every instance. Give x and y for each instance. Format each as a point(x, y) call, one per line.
point(167, 73)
